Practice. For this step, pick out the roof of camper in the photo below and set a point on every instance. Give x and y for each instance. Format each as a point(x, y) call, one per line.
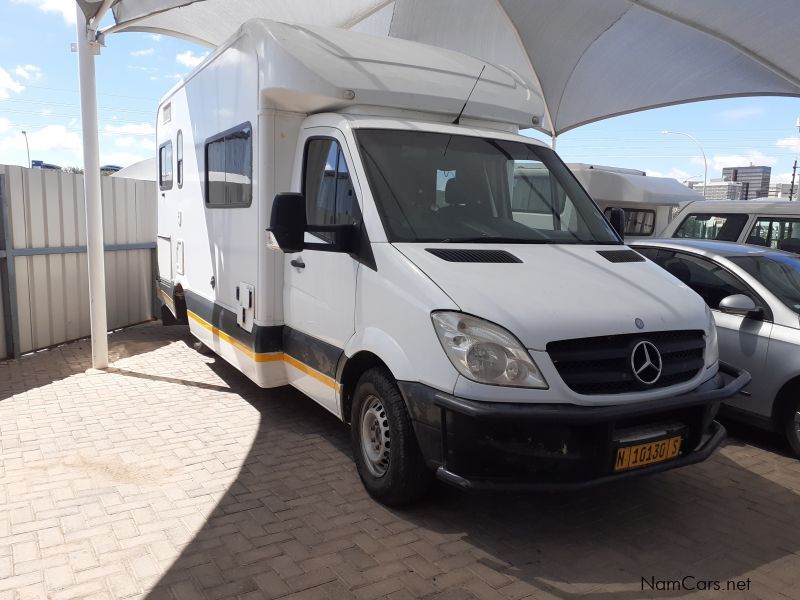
point(614, 186)
point(317, 69)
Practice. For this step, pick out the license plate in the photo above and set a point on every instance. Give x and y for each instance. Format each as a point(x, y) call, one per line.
point(640, 455)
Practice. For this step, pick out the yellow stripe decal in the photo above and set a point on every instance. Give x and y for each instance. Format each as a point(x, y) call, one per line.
point(166, 297)
point(265, 356)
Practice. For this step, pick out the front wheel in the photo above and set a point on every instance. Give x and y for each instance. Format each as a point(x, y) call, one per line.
point(385, 447)
point(792, 428)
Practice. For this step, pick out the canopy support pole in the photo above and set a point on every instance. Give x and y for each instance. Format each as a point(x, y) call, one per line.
point(553, 140)
point(94, 206)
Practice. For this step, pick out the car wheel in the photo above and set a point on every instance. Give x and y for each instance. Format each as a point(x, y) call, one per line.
point(385, 447)
point(792, 427)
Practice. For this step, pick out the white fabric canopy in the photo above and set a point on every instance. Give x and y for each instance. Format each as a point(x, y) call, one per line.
point(592, 59)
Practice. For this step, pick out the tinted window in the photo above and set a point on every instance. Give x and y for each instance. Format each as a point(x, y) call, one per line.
point(780, 274)
point(726, 228)
point(179, 158)
point(165, 166)
point(637, 221)
point(776, 232)
point(229, 169)
point(329, 192)
point(710, 280)
point(456, 188)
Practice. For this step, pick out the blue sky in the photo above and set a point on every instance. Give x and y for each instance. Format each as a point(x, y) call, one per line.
point(39, 94)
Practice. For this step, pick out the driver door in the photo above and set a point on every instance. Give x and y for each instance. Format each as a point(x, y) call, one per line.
point(320, 285)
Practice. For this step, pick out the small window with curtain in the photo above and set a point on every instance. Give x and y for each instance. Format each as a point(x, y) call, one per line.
point(229, 168)
point(179, 158)
point(330, 197)
point(165, 166)
point(781, 233)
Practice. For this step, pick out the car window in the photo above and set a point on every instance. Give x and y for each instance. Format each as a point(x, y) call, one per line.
point(779, 273)
point(723, 227)
point(329, 192)
point(710, 280)
point(781, 233)
point(638, 221)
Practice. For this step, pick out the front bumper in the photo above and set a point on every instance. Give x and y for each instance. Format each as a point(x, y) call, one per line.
point(547, 447)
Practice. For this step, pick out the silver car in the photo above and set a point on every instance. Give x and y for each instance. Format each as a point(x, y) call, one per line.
point(754, 294)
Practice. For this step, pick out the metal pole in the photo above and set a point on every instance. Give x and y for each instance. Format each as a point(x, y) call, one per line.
point(791, 187)
point(94, 207)
point(553, 140)
point(705, 160)
point(27, 148)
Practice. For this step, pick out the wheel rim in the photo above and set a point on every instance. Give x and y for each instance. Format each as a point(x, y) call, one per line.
point(375, 437)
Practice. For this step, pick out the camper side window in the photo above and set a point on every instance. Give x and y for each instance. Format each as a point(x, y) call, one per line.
point(165, 166)
point(330, 197)
point(179, 158)
point(229, 168)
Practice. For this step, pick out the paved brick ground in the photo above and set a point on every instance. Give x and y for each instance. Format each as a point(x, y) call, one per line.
point(174, 477)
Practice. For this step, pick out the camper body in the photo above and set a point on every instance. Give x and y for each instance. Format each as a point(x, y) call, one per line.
point(324, 224)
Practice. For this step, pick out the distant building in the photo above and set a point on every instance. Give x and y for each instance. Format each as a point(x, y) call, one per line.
point(781, 190)
point(722, 190)
point(40, 164)
point(756, 179)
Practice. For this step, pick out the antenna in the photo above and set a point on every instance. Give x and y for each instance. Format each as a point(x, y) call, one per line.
point(457, 120)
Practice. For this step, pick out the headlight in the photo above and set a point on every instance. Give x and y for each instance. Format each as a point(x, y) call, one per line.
point(485, 352)
point(712, 345)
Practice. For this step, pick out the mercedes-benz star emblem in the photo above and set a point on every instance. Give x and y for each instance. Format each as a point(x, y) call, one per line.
point(639, 323)
point(646, 362)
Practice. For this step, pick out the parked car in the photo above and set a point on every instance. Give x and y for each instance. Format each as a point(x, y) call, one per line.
point(770, 224)
point(754, 294)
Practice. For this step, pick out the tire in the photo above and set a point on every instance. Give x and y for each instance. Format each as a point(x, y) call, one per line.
point(385, 448)
point(792, 427)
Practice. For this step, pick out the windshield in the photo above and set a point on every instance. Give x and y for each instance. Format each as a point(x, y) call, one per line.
point(436, 187)
point(778, 273)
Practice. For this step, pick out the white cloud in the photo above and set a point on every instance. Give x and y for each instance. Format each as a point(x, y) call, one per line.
point(720, 161)
point(739, 114)
point(131, 129)
point(673, 173)
point(156, 37)
point(782, 178)
point(29, 72)
point(190, 59)
point(51, 138)
point(5, 124)
point(790, 143)
point(144, 52)
point(123, 159)
point(8, 84)
point(64, 7)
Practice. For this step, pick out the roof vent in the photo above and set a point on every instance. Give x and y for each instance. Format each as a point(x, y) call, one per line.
point(473, 255)
point(621, 256)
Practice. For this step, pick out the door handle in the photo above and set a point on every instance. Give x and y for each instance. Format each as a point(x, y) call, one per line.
point(298, 262)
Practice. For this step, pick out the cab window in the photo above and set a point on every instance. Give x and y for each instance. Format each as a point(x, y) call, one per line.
point(328, 189)
point(781, 233)
point(637, 221)
point(722, 227)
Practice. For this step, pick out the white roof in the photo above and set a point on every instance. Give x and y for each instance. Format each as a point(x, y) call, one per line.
point(591, 59)
point(144, 169)
point(609, 186)
point(744, 206)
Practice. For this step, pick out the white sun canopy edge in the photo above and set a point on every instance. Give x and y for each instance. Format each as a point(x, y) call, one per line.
point(613, 186)
point(591, 60)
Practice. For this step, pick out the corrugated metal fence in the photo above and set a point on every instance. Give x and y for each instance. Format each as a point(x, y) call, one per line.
point(43, 270)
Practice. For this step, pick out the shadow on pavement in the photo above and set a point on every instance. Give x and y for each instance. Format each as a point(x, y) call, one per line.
point(298, 518)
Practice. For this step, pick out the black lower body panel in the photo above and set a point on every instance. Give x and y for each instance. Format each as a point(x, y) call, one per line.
point(488, 445)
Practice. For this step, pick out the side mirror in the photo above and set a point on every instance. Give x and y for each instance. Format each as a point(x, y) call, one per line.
point(288, 221)
point(616, 216)
point(741, 305)
point(288, 226)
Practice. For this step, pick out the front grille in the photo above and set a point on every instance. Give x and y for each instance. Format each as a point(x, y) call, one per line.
point(602, 365)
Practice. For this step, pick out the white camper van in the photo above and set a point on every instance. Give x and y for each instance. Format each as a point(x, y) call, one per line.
point(335, 214)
